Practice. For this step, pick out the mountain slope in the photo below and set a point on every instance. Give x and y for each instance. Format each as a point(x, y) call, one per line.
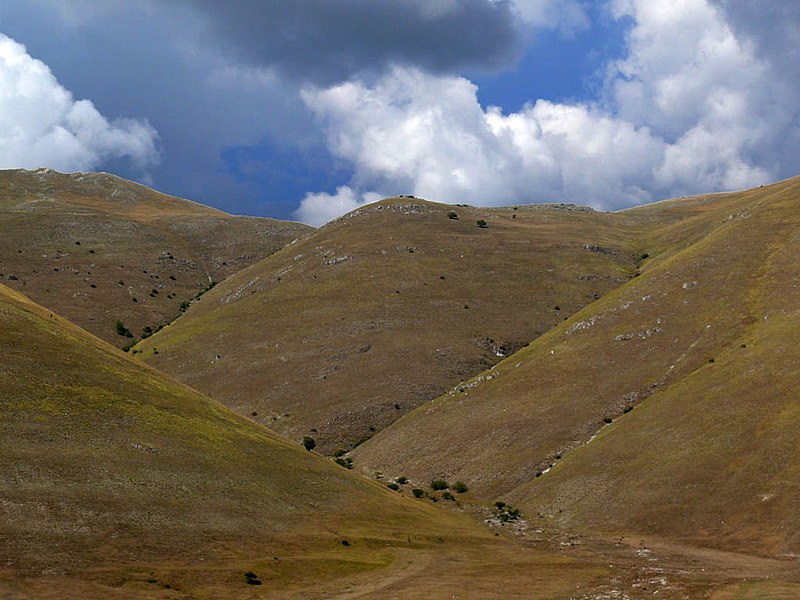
point(340, 334)
point(98, 249)
point(693, 363)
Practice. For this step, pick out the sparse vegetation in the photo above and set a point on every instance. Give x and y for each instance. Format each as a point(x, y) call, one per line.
point(345, 462)
point(439, 484)
point(459, 487)
point(505, 512)
point(122, 330)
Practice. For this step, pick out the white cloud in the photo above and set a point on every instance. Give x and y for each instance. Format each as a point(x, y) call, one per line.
point(690, 108)
point(41, 124)
point(568, 16)
point(318, 209)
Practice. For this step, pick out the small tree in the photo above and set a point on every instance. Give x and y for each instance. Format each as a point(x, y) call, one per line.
point(309, 443)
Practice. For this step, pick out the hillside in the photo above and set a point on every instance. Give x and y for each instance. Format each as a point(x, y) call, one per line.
point(98, 249)
point(117, 482)
point(667, 408)
point(340, 334)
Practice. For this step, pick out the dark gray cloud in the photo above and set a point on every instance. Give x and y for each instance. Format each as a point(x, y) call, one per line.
point(773, 26)
point(325, 41)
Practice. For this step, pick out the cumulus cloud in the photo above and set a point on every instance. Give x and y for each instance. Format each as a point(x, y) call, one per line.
point(691, 107)
point(318, 209)
point(568, 16)
point(41, 124)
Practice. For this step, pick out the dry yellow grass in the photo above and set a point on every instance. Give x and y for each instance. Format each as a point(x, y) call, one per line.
point(338, 335)
point(98, 249)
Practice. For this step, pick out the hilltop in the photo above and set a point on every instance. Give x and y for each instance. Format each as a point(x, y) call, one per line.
point(99, 249)
point(341, 333)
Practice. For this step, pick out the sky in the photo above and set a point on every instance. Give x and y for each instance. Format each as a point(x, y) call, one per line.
point(308, 109)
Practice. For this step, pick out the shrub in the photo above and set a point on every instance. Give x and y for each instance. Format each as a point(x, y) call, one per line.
point(402, 479)
point(439, 484)
point(500, 505)
point(347, 462)
point(452, 215)
point(309, 443)
point(448, 496)
point(459, 487)
point(608, 420)
point(482, 224)
point(252, 578)
point(393, 486)
point(418, 493)
point(122, 330)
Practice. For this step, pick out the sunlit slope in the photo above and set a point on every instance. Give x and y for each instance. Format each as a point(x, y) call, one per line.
point(338, 335)
point(114, 474)
point(697, 300)
point(97, 249)
point(712, 459)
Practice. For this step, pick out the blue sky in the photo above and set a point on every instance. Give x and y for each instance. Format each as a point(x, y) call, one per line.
point(305, 110)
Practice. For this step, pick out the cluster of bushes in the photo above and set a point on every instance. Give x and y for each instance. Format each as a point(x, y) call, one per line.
point(505, 512)
point(187, 303)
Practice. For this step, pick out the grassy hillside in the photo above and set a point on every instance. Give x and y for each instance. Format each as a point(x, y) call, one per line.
point(98, 249)
point(117, 482)
point(338, 335)
point(686, 375)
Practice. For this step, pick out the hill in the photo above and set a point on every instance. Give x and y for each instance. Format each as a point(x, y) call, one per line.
point(117, 482)
point(99, 249)
point(666, 409)
point(340, 334)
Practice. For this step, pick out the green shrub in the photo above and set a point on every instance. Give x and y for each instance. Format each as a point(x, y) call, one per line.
point(418, 493)
point(347, 462)
point(448, 496)
point(402, 479)
point(393, 486)
point(452, 214)
point(122, 330)
point(459, 487)
point(309, 443)
point(439, 484)
point(482, 224)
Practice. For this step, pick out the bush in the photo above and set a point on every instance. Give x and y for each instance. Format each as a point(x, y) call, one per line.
point(418, 493)
point(448, 496)
point(482, 224)
point(309, 443)
point(252, 578)
point(459, 487)
point(122, 330)
point(393, 486)
point(347, 462)
point(452, 215)
point(402, 479)
point(439, 484)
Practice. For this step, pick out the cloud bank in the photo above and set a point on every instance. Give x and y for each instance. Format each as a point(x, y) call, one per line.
point(42, 124)
point(694, 105)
